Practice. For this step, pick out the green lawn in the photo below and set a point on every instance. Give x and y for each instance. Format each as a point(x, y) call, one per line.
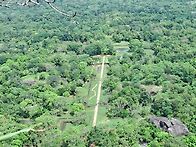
point(90, 97)
point(121, 48)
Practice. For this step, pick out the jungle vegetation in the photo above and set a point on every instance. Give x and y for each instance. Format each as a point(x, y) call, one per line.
point(47, 58)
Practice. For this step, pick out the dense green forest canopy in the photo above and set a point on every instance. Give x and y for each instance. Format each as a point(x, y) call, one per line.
point(47, 67)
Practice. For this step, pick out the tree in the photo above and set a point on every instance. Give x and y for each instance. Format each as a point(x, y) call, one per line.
point(75, 47)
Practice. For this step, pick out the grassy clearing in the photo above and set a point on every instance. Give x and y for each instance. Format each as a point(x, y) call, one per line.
point(121, 48)
point(90, 97)
point(89, 93)
point(121, 45)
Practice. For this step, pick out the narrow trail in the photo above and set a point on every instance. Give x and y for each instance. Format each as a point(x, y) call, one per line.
point(10, 135)
point(98, 93)
point(94, 92)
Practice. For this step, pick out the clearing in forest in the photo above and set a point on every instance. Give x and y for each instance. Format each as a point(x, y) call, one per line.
point(98, 93)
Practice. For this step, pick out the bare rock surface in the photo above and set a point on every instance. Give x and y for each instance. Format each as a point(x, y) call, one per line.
point(173, 126)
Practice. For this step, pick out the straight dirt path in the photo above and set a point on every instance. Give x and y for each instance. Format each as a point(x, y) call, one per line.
point(98, 93)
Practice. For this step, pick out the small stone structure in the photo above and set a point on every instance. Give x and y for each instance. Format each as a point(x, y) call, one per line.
point(173, 126)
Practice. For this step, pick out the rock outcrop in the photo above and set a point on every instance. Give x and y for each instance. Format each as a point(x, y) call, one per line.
point(173, 126)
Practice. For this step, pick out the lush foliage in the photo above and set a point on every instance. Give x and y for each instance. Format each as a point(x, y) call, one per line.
point(46, 58)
